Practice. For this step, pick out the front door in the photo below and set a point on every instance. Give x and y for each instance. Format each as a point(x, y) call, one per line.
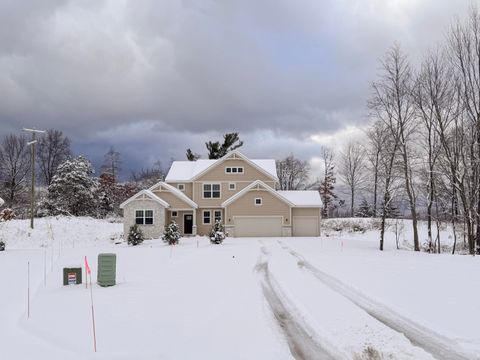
point(187, 224)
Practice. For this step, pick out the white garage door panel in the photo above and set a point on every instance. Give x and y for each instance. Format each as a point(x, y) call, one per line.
point(305, 226)
point(258, 226)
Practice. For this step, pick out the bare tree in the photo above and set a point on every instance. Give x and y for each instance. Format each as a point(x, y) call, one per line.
point(292, 173)
point(147, 177)
point(112, 163)
point(464, 49)
point(393, 103)
point(377, 136)
point(14, 167)
point(53, 149)
point(436, 102)
point(352, 170)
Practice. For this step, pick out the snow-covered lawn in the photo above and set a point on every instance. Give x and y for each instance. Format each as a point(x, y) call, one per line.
point(333, 297)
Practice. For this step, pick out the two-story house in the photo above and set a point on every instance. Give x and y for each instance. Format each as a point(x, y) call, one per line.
point(238, 191)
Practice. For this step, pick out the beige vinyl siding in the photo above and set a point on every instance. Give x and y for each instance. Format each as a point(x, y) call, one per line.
point(178, 219)
point(271, 206)
point(205, 229)
point(225, 193)
point(174, 201)
point(188, 188)
point(250, 174)
point(305, 211)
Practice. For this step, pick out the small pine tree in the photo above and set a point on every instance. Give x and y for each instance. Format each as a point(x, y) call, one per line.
point(171, 234)
point(364, 210)
point(135, 235)
point(217, 233)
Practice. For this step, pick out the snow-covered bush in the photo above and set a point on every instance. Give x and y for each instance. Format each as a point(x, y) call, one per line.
point(135, 235)
point(171, 234)
point(5, 216)
point(217, 233)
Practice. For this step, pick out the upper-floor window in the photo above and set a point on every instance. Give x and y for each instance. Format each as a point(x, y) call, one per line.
point(211, 191)
point(258, 201)
point(231, 186)
point(234, 170)
point(181, 187)
point(144, 217)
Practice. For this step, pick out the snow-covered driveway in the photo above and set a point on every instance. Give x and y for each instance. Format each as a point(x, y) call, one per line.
point(304, 298)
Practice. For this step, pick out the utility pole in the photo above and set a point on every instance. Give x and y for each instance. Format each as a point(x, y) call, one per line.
point(33, 143)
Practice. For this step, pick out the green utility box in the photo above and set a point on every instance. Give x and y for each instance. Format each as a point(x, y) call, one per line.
point(72, 276)
point(107, 267)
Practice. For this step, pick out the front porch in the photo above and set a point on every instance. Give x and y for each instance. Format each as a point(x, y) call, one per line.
point(185, 218)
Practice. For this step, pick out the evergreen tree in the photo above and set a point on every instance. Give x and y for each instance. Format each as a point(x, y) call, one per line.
point(171, 233)
point(217, 233)
point(216, 150)
point(191, 156)
point(135, 235)
point(364, 210)
point(72, 190)
point(327, 185)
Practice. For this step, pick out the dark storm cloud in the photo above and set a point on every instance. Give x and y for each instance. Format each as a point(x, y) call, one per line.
point(154, 77)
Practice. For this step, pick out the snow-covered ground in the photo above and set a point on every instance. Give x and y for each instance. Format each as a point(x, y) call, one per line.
point(332, 297)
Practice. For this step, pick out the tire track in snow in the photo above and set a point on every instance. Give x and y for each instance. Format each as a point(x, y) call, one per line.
point(297, 333)
point(437, 345)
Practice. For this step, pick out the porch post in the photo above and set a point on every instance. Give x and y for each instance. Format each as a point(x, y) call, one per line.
point(194, 227)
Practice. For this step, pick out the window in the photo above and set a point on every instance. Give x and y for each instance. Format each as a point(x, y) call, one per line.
point(206, 216)
point(174, 214)
point(234, 170)
point(218, 215)
point(181, 187)
point(211, 191)
point(144, 217)
point(258, 201)
point(231, 186)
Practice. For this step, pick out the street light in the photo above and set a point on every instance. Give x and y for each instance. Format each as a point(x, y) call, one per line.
point(33, 145)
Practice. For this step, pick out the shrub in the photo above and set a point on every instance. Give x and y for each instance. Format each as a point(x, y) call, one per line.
point(217, 233)
point(135, 235)
point(171, 234)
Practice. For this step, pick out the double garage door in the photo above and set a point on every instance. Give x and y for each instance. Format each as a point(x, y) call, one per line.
point(257, 226)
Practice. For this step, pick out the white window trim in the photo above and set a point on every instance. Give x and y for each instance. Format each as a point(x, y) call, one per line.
point(234, 186)
point(203, 217)
point(236, 167)
point(255, 201)
point(175, 212)
point(144, 217)
point(181, 187)
point(212, 183)
point(221, 217)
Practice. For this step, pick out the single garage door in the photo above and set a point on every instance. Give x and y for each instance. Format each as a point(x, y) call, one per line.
point(305, 226)
point(253, 226)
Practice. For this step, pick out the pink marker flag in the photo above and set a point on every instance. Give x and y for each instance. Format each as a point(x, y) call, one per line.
point(86, 266)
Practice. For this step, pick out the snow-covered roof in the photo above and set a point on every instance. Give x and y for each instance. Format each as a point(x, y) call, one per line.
point(175, 192)
point(1, 202)
point(147, 193)
point(302, 198)
point(251, 186)
point(187, 170)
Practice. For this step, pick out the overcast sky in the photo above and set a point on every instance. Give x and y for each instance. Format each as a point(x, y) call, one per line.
point(154, 77)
